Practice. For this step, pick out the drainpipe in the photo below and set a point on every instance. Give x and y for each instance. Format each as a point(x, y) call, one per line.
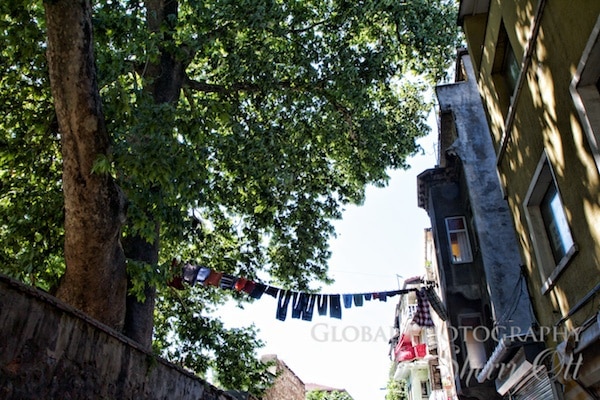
point(525, 64)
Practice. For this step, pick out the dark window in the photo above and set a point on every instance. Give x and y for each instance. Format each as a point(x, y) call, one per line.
point(505, 69)
point(510, 69)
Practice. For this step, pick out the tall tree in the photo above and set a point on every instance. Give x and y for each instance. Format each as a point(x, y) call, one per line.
point(239, 131)
point(95, 279)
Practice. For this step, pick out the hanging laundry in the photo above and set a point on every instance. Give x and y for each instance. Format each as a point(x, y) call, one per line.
point(249, 287)
point(272, 291)
point(404, 350)
point(177, 283)
point(297, 306)
point(436, 303)
point(393, 293)
point(307, 313)
point(358, 300)
point(347, 300)
point(189, 273)
point(203, 273)
point(322, 304)
point(335, 306)
point(227, 281)
point(282, 304)
point(258, 290)
point(303, 304)
point(214, 278)
point(240, 284)
point(422, 316)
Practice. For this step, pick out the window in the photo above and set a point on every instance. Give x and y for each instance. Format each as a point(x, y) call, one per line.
point(458, 239)
point(424, 389)
point(474, 343)
point(585, 91)
point(506, 68)
point(510, 69)
point(555, 223)
point(548, 226)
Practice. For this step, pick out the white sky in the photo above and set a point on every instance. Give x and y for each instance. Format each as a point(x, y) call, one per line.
point(376, 243)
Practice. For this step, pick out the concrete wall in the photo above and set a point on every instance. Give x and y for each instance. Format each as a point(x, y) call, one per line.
point(48, 350)
point(496, 239)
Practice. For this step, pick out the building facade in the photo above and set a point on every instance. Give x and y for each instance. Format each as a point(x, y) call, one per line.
point(422, 355)
point(493, 329)
point(286, 384)
point(537, 68)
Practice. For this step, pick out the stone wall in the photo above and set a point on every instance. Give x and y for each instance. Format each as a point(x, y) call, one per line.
point(49, 350)
point(287, 385)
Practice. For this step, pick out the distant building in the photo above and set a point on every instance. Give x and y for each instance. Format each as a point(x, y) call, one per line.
point(421, 355)
point(314, 387)
point(287, 384)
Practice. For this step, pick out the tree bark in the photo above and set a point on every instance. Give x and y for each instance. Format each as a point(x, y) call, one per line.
point(139, 318)
point(166, 79)
point(95, 280)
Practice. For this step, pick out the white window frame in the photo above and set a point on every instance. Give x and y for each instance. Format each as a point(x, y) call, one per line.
point(548, 267)
point(585, 93)
point(468, 253)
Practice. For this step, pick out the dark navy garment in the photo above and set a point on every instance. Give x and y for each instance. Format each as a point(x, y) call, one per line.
point(282, 304)
point(322, 304)
point(258, 290)
point(358, 300)
point(335, 306)
point(307, 313)
point(298, 301)
point(228, 281)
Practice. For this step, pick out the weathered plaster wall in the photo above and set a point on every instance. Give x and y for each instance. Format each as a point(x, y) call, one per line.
point(495, 232)
point(48, 350)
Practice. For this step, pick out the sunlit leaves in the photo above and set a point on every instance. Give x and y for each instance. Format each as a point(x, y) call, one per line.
point(30, 166)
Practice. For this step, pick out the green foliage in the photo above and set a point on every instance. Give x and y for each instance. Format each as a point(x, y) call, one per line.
point(322, 395)
point(203, 343)
point(286, 112)
point(31, 207)
point(396, 390)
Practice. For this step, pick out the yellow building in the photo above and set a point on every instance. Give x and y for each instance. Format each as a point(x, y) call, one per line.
point(537, 66)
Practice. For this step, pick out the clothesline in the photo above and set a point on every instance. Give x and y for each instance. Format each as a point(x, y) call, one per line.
point(302, 303)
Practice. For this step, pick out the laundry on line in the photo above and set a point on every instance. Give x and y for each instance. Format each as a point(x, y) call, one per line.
point(302, 303)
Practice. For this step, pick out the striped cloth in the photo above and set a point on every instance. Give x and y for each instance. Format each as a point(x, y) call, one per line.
point(422, 316)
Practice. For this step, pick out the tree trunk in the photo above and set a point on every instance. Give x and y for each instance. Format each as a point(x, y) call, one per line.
point(166, 79)
point(95, 280)
point(139, 318)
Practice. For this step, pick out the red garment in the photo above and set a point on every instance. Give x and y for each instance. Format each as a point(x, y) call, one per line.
point(404, 350)
point(176, 283)
point(240, 284)
point(214, 279)
point(249, 287)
